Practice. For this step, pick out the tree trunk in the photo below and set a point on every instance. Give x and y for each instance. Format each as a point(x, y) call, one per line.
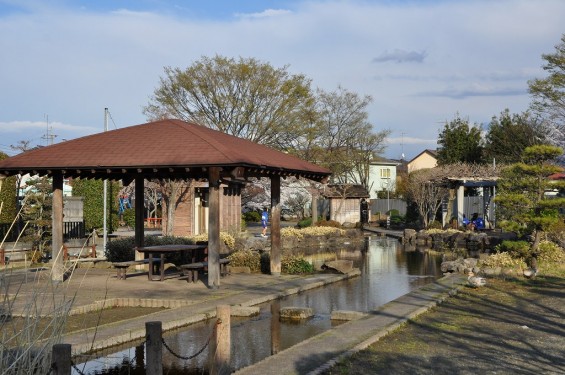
point(171, 206)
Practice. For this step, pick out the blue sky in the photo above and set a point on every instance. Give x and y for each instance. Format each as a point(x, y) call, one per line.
point(63, 61)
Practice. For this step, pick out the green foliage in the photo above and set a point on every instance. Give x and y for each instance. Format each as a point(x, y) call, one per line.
point(129, 217)
point(36, 211)
point(93, 205)
point(459, 142)
point(122, 249)
point(251, 216)
point(510, 134)
point(522, 205)
point(516, 249)
point(307, 222)
point(290, 264)
point(246, 258)
point(295, 265)
point(397, 220)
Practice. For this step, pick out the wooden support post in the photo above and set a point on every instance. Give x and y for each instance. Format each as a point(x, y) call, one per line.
point(214, 228)
point(2, 257)
point(57, 273)
point(139, 212)
point(221, 350)
point(275, 327)
point(61, 359)
point(154, 348)
point(275, 226)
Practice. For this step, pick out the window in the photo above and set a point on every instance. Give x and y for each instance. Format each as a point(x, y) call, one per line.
point(385, 173)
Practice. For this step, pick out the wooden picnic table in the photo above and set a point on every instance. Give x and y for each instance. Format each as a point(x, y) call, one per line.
point(162, 250)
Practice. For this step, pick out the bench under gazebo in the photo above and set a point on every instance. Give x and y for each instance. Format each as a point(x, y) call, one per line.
point(165, 149)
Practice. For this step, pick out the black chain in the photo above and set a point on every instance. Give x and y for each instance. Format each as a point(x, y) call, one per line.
point(198, 352)
point(76, 368)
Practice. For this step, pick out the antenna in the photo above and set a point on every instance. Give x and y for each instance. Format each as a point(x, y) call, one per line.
point(48, 136)
point(402, 145)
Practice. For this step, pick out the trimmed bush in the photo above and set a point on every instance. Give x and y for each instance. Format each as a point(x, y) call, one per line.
point(251, 217)
point(307, 222)
point(246, 258)
point(295, 265)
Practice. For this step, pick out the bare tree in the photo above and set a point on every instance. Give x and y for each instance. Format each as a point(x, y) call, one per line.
point(245, 97)
point(173, 193)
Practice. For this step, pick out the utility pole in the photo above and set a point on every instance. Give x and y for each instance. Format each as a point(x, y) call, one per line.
point(105, 223)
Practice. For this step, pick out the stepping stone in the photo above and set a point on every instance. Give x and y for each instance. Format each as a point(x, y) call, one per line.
point(296, 313)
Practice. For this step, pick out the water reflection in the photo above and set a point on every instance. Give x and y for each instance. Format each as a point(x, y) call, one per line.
point(387, 272)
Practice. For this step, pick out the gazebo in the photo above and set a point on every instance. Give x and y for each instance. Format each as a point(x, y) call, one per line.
point(164, 149)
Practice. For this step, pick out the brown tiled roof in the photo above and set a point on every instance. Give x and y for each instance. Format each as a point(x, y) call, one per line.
point(345, 191)
point(158, 147)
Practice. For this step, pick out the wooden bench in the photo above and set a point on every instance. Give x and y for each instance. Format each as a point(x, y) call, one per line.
point(191, 270)
point(122, 267)
point(83, 252)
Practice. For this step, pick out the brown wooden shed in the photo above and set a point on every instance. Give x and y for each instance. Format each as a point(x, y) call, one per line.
point(164, 149)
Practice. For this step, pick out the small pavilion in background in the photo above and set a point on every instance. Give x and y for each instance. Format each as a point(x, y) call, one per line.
point(166, 149)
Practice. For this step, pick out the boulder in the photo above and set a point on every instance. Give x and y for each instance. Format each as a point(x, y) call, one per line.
point(340, 265)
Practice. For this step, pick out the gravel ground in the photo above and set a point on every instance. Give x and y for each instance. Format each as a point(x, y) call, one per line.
point(505, 327)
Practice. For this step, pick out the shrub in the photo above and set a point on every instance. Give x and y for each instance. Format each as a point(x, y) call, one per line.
point(251, 216)
point(311, 231)
point(246, 258)
point(504, 260)
point(225, 237)
point(295, 265)
point(328, 223)
point(290, 264)
point(397, 220)
point(307, 222)
point(516, 249)
point(129, 217)
point(550, 252)
point(434, 225)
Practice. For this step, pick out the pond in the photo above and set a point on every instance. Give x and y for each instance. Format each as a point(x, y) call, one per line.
point(387, 272)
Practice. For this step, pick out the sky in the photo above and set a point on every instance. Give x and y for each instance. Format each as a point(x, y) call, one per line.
point(422, 62)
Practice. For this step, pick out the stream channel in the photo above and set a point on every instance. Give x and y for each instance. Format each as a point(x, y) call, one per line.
point(387, 272)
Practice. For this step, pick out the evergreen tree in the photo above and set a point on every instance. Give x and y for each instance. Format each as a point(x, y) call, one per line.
point(459, 142)
point(522, 203)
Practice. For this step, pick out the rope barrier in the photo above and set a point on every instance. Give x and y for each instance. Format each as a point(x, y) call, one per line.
point(198, 352)
point(77, 369)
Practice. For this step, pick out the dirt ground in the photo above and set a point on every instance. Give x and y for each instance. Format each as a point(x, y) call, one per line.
point(506, 327)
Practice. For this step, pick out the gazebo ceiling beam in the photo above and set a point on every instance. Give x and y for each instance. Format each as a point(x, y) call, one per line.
point(230, 173)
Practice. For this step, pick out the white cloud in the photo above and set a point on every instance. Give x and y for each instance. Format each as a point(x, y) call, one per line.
point(400, 56)
point(265, 14)
point(469, 57)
